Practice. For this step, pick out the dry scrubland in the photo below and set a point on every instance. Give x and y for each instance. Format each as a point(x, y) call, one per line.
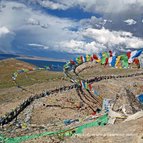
point(48, 113)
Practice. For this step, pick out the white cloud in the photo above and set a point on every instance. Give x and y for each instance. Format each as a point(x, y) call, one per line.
point(102, 40)
point(6, 38)
point(115, 10)
point(36, 27)
point(33, 21)
point(35, 45)
point(113, 38)
point(3, 31)
point(52, 5)
point(38, 45)
point(94, 5)
point(74, 46)
point(43, 31)
point(94, 22)
point(130, 21)
point(36, 22)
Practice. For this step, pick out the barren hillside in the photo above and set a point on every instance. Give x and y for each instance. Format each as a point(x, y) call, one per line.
point(48, 113)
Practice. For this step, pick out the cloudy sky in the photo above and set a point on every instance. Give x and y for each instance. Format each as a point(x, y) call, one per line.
point(66, 28)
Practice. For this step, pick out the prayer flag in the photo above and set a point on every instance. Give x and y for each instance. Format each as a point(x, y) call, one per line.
point(83, 84)
point(86, 85)
point(90, 87)
point(110, 52)
point(134, 54)
point(88, 58)
point(113, 62)
point(95, 92)
point(83, 59)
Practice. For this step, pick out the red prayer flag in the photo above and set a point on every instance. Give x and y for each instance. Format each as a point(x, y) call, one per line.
point(136, 61)
point(106, 62)
point(110, 53)
point(95, 57)
point(81, 59)
point(94, 113)
point(72, 62)
point(90, 86)
point(129, 54)
point(91, 59)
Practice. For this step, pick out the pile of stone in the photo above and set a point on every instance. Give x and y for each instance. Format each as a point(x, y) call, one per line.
point(125, 106)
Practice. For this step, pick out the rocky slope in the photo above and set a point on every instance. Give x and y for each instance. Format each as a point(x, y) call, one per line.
point(48, 113)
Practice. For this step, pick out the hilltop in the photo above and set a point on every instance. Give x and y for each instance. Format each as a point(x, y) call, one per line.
point(48, 113)
point(8, 88)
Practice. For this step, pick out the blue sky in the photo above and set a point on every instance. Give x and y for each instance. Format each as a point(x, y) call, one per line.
point(65, 28)
point(75, 13)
